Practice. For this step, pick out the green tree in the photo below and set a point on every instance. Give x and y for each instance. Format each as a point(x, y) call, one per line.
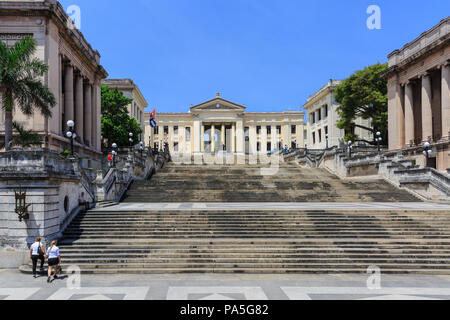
point(21, 83)
point(364, 94)
point(116, 122)
point(25, 138)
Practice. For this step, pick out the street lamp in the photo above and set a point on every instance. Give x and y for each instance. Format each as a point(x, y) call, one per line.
point(131, 141)
point(141, 147)
point(427, 152)
point(114, 154)
point(350, 148)
point(71, 134)
point(378, 139)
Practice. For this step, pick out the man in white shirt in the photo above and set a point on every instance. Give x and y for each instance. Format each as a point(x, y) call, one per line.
point(37, 252)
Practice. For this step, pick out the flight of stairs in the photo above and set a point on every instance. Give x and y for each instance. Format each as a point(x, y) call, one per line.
point(244, 183)
point(265, 241)
point(258, 242)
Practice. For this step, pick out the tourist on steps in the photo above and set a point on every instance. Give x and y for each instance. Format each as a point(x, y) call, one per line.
point(54, 259)
point(37, 252)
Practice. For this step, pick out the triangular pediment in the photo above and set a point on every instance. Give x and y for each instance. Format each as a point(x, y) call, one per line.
point(218, 104)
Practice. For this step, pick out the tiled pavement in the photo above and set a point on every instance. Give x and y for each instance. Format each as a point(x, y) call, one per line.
point(16, 286)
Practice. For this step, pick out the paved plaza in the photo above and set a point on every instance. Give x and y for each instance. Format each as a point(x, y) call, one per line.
point(17, 286)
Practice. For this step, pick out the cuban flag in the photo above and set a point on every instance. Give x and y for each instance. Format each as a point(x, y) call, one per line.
point(153, 119)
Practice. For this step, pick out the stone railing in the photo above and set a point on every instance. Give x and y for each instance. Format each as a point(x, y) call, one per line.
point(427, 184)
point(53, 186)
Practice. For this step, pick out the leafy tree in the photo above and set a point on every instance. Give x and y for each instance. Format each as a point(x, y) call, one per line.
point(25, 138)
point(116, 122)
point(21, 83)
point(364, 94)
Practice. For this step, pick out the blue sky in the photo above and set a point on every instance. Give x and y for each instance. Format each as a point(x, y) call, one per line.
point(270, 55)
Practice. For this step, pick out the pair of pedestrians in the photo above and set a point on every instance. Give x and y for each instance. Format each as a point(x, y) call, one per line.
point(38, 252)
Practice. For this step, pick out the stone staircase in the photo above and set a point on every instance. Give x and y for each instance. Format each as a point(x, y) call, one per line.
point(258, 242)
point(263, 241)
point(196, 183)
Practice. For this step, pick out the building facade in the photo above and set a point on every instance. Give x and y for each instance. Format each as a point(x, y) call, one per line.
point(222, 125)
point(322, 118)
point(136, 108)
point(74, 75)
point(419, 96)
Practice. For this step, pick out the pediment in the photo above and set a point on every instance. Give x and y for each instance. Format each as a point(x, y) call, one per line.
point(218, 104)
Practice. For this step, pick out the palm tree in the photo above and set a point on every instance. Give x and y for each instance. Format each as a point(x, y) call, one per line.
point(25, 138)
point(21, 83)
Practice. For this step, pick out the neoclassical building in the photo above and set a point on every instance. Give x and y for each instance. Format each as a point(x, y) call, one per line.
point(74, 75)
point(419, 96)
point(221, 125)
point(322, 117)
point(136, 108)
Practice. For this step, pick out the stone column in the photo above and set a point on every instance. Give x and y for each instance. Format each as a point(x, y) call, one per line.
point(240, 136)
point(253, 140)
point(396, 115)
point(79, 109)
point(88, 112)
point(223, 136)
point(233, 138)
point(196, 135)
point(427, 114)
point(212, 138)
point(68, 95)
point(274, 138)
point(445, 92)
point(202, 138)
point(409, 114)
point(264, 138)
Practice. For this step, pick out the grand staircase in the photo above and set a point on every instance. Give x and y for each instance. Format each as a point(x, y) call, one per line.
point(259, 241)
point(245, 183)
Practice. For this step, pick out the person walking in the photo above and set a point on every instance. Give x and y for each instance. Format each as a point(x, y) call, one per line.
point(54, 259)
point(37, 252)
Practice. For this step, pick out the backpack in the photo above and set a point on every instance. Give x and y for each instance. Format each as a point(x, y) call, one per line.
point(40, 253)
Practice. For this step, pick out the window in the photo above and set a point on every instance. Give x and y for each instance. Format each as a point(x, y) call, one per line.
point(293, 129)
point(326, 130)
point(269, 146)
point(166, 130)
point(319, 113)
point(313, 118)
point(280, 147)
point(278, 129)
point(156, 130)
point(326, 111)
point(320, 136)
point(269, 130)
point(188, 134)
point(175, 130)
point(175, 146)
point(293, 145)
point(314, 137)
point(258, 146)
point(258, 130)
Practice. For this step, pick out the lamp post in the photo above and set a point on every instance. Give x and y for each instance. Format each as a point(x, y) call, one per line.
point(350, 148)
point(141, 147)
point(131, 141)
point(71, 134)
point(114, 154)
point(378, 139)
point(427, 152)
